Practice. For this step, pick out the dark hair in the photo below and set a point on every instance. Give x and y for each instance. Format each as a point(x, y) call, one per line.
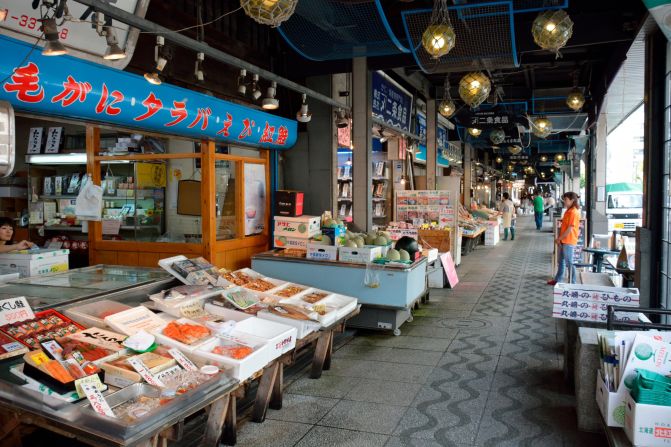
point(506, 195)
point(7, 221)
point(572, 196)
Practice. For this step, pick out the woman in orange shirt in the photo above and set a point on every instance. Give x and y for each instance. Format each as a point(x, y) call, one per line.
point(568, 237)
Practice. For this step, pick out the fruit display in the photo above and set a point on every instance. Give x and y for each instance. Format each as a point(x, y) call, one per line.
point(360, 240)
point(186, 333)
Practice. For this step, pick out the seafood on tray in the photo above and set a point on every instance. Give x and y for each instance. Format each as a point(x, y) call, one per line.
point(289, 291)
point(314, 297)
point(260, 285)
point(184, 332)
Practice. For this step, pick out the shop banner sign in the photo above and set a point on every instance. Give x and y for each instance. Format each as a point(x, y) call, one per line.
point(441, 135)
point(497, 117)
point(70, 87)
point(421, 127)
point(391, 104)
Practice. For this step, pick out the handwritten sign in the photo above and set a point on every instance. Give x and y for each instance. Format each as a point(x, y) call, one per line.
point(139, 366)
point(91, 380)
point(111, 227)
point(16, 309)
point(97, 400)
point(449, 268)
point(182, 360)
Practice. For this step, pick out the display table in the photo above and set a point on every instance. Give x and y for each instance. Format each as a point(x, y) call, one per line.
point(385, 307)
point(598, 255)
point(470, 240)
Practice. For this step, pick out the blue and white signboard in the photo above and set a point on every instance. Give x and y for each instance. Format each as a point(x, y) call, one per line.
point(421, 127)
point(441, 135)
point(391, 104)
point(74, 88)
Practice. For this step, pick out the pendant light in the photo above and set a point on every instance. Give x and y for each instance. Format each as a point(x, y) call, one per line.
point(541, 126)
point(269, 12)
point(54, 47)
point(270, 102)
point(474, 131)
point(559, 157)
point(575, 99)
point(544, 158)
point(474, 88)
point(161, 56)
point(447, 106)
point(496, 136)
point(439, 38)
point(304, 115)
point(499, 160)
point(552, 29)
point(341, 119)
point(514, 149)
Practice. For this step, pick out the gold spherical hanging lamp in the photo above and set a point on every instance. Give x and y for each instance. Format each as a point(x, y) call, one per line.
point(514, 149)
point(541, 127)
point(474, 88)
point(552, 29)
point(438, 38)
point(474, 131)
point(447, 107)
point(575, 99)
point(269, 12)
point(496, 136)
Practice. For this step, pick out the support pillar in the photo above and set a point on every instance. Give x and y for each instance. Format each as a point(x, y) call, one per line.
point(468, 173)
point(362, 166)
point(431, 144)
point(599, 223)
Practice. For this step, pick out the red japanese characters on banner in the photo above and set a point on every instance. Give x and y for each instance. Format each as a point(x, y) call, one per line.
point(282, 135)
point(203, 115)
point(227, 125)
point(72, 91)
point(103, 106)
point(178, 111)
point(268, 132)
point(153, 105)
point(26, 84)
point(247, 131)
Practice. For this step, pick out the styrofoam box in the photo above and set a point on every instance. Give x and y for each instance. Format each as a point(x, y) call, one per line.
point(610, 403)
point(135, 319)
point(174, 307)
point(278, 283)
point(297, 227)
point(280, 241)
point(168, 341)
point(226, 313)
point(324, 320)
point(647, 425)
point(303, 327)
point(383, 248)
point(36, 262)
point(221, 281)
point(322, 252)
point(359, 255)
point(280, 337)
point(89, 314)
point(238, 369)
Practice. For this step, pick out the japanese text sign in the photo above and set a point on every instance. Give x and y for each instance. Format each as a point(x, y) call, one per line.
point(13, 310)
point(71, 87)
point(390, 103)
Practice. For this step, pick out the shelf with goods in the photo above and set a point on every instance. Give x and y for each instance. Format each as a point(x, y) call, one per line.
point(380, 188)
point(344, 184)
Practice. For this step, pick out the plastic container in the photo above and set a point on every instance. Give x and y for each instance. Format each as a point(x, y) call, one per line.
point(281, 338)
point(93, 314)
point(239, 369)
point(173, 306)
point(303, 327)
point(241, 275)
point(169, 341)
point(277, 283)
point(650, 388)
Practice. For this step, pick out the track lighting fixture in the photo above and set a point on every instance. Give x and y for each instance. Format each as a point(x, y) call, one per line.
point(256, 92)
point(198, 71)
point(304, 115)
point(53, 47)
point(242, 87)
point(104, 28)
point(270, 102)
point(341, 119)
point(161, 56)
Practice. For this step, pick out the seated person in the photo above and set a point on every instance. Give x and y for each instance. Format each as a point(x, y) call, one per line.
point(6, 233)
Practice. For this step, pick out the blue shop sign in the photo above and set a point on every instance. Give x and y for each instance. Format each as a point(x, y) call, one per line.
point(441, 136)
point(421, 127)
point(391, 104)
point(74, 88)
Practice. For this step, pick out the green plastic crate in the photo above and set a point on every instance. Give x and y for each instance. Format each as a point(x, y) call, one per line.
point(651, 388)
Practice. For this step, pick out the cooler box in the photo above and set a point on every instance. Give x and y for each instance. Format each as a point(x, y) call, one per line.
point(289, 203)
point(36, 262)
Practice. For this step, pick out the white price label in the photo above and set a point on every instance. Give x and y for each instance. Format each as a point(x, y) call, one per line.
point(13, 310)
point(97, 400)
point(142, 369)
point(13, 346)
point(182, 360)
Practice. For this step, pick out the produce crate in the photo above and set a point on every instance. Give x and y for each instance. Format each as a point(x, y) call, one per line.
point(439, 239)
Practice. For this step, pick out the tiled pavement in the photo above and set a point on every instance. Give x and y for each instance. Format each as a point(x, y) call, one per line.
point(480, 365)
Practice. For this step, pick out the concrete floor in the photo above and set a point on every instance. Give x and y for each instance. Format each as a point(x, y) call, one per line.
point(480, 365)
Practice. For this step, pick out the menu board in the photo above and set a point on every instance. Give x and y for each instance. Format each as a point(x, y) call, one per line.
point(424, 207)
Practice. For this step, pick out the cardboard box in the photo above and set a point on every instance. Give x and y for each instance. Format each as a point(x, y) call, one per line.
point(303, 227)
point(291, 242)
point(359, 255)
point(337, 235)
point(289, 203)
point(585, 302)
point(36, 262)
point(322, 252)
point(647, 425)
point(492, 235)
point(610, 404)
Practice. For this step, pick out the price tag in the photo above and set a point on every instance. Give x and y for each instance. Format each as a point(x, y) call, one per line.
point(142, 369)
point(167, 373)
point(93, 380)
point(39, 357)
point(182, 360)
point(13, 346)
point(97, 400)
point(111, 227)
point(194, 311)
point(13, 310)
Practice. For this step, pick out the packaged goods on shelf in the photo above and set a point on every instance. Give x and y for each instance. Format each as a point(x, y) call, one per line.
point(289, 203)
point(303, 227)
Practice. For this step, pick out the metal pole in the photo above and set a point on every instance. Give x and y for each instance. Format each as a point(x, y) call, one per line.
point(201, 47)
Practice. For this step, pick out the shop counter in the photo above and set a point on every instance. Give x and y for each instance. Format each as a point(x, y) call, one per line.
point(384, 307)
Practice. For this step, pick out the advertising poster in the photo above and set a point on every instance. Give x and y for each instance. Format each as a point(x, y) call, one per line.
point(255, 198)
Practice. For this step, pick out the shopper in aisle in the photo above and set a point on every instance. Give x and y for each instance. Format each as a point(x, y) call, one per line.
point(568, 238)
point(539, 207)
point(7, 244)
point(508, 210)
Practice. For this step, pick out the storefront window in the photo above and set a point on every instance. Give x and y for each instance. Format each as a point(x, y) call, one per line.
point(255, 198)
point(225, 203)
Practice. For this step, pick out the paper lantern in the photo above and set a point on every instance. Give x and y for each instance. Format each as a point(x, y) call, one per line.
point(474, 88)
point(552, 29)
point(269, 12)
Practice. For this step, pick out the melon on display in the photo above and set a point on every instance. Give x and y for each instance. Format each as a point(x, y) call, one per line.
point(351, 244)
point(381, 241)
point(325, 240)
point(404, 255)
point(393, 255)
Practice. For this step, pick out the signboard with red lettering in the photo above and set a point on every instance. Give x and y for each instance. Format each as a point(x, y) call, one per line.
point(13, 310)
point(67, 86)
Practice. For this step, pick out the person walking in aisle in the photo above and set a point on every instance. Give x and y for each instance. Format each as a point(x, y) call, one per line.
point(539, 207)
point(508, 210)
point(568, 238)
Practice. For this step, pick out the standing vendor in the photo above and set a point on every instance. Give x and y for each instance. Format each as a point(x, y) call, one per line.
point(6, 233)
